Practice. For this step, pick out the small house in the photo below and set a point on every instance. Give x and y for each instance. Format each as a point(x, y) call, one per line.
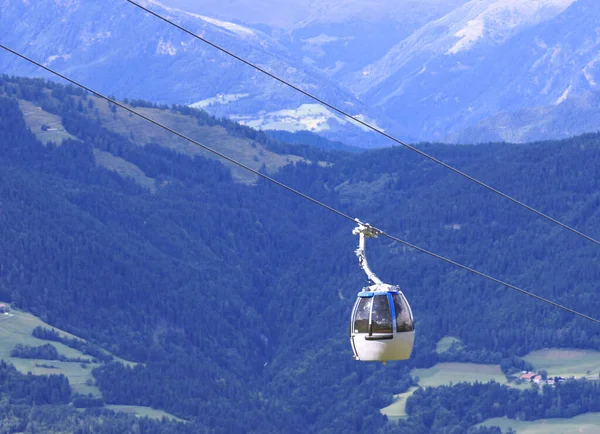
point(528, 376)
point(3, 308)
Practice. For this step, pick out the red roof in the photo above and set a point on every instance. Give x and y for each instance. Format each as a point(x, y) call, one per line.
point(528, 376)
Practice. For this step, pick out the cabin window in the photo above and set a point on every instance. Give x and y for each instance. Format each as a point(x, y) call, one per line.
point(381, 318)
point(404, 322)
point(361, 320)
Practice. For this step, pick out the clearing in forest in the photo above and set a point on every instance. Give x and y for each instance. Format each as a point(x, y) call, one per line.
point(451, 373)
point(140, 411)
point(16, 328)
point(46, 126)
point(588, 423)
point(444, 374)
point(566, 362)
point(556, 362)
point(446, 343)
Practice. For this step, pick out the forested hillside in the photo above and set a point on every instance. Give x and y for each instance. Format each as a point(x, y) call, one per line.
point(38, 404)
point(235, 296)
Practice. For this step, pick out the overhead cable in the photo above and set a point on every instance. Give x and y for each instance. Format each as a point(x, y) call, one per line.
point(366, 124)
point(280, 184)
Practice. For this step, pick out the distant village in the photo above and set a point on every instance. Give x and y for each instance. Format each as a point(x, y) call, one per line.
point(542, 378)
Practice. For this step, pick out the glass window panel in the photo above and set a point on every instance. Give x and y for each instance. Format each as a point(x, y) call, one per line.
point(361, 320)
point(404, 322)
point(382, 315)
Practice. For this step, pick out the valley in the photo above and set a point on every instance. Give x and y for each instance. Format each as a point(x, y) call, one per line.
point(149, 287)
point(434, 71)
point(201, 282)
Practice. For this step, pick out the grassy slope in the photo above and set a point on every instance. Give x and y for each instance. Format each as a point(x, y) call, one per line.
point(397, 409)
point(446, 373)
point(446, 343)
point(578, 363)
point(143, 132)
point(16, 328)
point(143, 412)
point(125, 169)
point(36, 117)
point(583, 424)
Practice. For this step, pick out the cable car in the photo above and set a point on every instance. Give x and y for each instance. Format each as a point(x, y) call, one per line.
point(382, 325)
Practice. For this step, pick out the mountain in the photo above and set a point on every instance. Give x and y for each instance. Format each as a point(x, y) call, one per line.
point(453, 71)
point(459, 72)
point(337, 37)
point(153, 60)
point(302, 13)
point(572, 116)
point(233, 296)
point(475, 24)
point(487, 58)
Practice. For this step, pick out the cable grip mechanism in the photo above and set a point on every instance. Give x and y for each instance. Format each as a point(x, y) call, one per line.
point(365, 230)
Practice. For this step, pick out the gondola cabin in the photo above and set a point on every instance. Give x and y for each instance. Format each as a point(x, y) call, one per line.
point(381, 327)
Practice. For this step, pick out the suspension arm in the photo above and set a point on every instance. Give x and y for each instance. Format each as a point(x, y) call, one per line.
point(365, 230)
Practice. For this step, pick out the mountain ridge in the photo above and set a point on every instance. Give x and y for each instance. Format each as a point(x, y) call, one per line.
point(153, 61)
point(477, 61)
point(443, 74)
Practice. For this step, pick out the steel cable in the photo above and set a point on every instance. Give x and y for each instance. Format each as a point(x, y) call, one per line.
point(292, 190)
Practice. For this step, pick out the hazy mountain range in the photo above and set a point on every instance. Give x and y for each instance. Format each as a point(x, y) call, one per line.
point(457, 71)
point(490, 57)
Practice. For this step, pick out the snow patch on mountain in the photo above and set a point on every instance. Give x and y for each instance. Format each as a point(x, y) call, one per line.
point(55, 57)
point(476, 22)
point(367, 120)
point(469, 35)
point(501, 17)
point(323, 39)
point(588, 71)
point(564, 96)
point(89, 38)
point(219, 99)
point(311, 117)
point(234, 28)
point(166, 48)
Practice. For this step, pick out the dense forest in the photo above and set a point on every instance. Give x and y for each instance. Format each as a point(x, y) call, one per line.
point(435, 410)
point(235, 297)
point(85, 347)
point(38, 404)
